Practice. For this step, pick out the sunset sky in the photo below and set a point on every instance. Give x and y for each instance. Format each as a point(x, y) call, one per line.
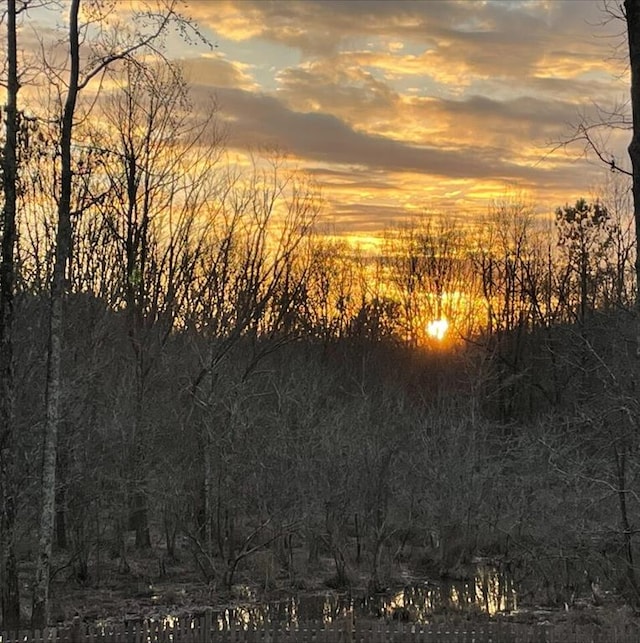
point(399, 106)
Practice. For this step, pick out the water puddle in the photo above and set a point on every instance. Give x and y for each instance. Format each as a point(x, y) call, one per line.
point(490, 591)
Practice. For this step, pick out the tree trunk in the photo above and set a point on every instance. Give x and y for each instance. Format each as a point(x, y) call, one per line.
point(9, 588)
point(140, 509)
point(627, 533)
point(61, 521)
point(48, 481)
point(61, 540)
point(632, 11)
point(141, 521)
point(374, 579)
point(40, 614)
point(207, 491)
point(140, 514)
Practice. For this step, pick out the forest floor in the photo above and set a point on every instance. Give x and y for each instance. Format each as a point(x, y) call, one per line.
point(149, 591)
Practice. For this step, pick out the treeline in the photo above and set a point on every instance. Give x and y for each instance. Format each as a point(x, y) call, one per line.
point(371, 453)
point(189, 367)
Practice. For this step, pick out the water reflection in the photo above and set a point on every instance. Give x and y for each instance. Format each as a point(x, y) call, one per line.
point(255, 615)
point(491, 591)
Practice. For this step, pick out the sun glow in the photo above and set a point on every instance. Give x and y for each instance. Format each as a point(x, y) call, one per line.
point(437, 328)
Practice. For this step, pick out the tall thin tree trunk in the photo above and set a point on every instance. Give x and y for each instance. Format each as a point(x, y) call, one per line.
point(40, 614)
point(136, 241)
point(140, 498)
point(9, 588)
point(206, 491)
point(632, 11)
point(140, 512)
point(627, 532)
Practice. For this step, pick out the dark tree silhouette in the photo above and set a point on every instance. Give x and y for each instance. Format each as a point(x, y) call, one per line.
point(10, 596)
point(632, 13)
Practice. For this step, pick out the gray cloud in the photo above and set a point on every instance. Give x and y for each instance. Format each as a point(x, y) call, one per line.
point(390, 92)
point(217, 71)
point(258, 118)
point(505, 38)
point(352, 180)
point(528, 119)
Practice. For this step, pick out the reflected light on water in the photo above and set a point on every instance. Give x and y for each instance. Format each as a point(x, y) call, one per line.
point(489, 590)
point(495, 592)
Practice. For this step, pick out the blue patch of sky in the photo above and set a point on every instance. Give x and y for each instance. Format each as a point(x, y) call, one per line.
point(41, 19)
point(410, 47)
point(264, 57)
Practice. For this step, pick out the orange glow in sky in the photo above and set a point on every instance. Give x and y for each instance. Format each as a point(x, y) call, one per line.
point(398, 106)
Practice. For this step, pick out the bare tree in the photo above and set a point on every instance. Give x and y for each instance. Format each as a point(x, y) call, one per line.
point(161, 173)
point(104, 50)
point(632, 14)
point(594, 134)
point(510, 262)
point(9, 589)
point(619, 286)
point(244, 291)
point(18, 142)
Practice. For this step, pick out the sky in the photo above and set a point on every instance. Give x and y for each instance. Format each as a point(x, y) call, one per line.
point(398, 107)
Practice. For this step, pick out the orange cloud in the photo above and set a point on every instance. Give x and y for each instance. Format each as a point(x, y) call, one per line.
point(398, 105)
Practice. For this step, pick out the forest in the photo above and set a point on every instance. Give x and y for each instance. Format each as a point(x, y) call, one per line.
point(200, 381)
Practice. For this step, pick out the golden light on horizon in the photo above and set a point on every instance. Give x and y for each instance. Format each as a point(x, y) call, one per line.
point(437, 328)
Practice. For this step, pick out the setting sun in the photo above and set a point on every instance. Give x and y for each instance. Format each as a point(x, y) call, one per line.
point(437, 328)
